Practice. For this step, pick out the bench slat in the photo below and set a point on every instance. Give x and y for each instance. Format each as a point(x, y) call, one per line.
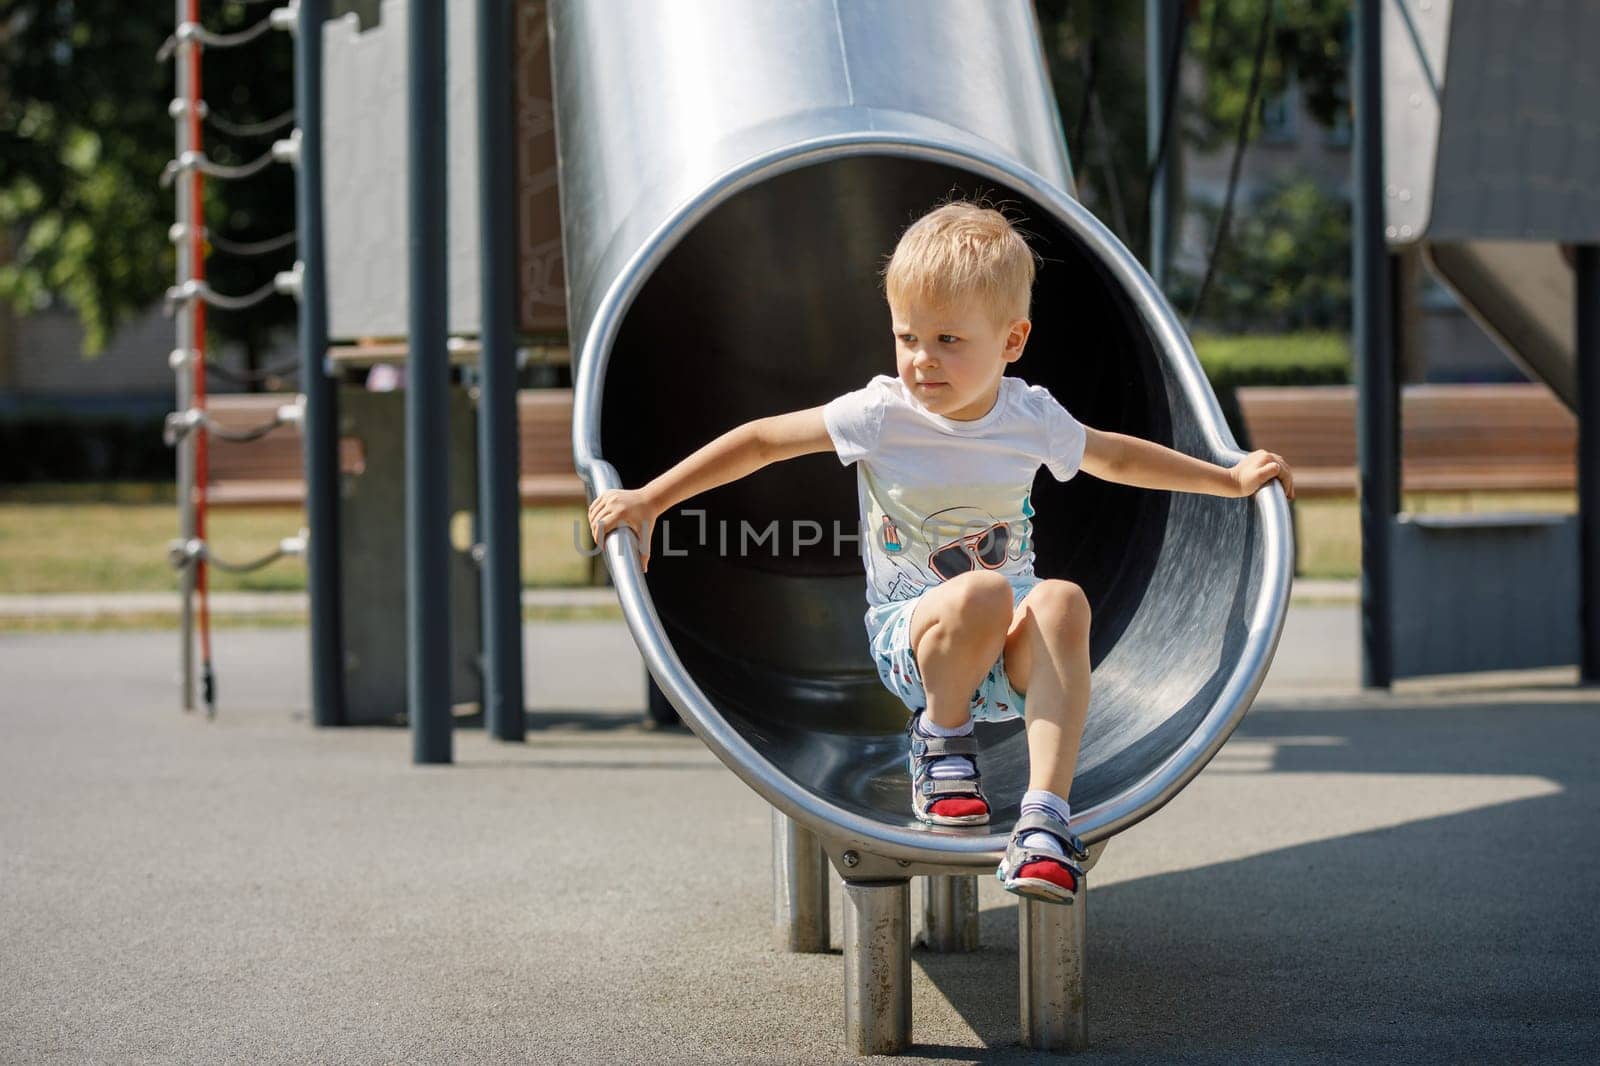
point(269, 472)
point(1455, 438)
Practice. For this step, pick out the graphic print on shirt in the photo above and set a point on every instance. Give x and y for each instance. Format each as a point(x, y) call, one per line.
point(925, 535)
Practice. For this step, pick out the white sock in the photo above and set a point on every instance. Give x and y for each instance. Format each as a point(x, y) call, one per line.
point(1045, 802)
point(950, 765)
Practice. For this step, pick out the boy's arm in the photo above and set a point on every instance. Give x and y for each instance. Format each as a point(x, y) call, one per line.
point(737, 453)
point(1134, 461)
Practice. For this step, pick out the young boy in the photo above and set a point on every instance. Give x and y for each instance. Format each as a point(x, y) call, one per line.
point(946, 453)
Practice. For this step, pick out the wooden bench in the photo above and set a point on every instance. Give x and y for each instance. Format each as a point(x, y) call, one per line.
point(545, 474)
point(269, 472)
point(1455, 438)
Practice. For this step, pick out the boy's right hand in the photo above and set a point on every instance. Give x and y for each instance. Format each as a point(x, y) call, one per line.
point(615, 508)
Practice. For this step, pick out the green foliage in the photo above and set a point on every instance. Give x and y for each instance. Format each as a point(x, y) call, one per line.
point(84, 135)
point(1308, 43)
point(1274, 358)
point(1241, 360)
point(1286, 265)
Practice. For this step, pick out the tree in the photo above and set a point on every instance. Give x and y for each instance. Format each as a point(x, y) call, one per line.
point(84, 135)
point(1097, 49)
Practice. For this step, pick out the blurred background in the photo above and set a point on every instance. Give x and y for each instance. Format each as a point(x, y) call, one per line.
point(1260, 119)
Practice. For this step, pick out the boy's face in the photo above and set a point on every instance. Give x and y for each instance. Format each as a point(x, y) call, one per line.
point(951, 357)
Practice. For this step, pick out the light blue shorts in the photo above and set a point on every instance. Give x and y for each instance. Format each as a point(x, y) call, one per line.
point(889, 631)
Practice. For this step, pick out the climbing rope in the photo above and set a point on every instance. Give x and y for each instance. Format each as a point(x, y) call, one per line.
point(250, 129)
point(245, 378)
point(198, 161)
point(181, 553)
point(244, 248)
point(199, 290)
point(180, 423)
point(193, 31)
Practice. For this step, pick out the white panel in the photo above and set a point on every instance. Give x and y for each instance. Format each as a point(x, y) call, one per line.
point(1416, 42)
point(364, 173)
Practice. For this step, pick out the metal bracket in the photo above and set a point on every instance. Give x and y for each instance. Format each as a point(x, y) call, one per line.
point(286, 18)
point(179, 424)
point(290, 282)
point(287, 150)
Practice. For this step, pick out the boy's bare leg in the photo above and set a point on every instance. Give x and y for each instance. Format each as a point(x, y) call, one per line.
point(1047, 660)
point(956, 634)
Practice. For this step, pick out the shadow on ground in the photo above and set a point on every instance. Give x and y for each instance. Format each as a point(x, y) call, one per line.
point(1444, 939)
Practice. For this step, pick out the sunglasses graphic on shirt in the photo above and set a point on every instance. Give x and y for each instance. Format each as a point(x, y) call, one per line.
point(985, 548)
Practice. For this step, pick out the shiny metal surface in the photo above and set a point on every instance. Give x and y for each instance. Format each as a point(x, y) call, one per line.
point(732, 178)
point(1052, 950)
point(800, 875)
point(1522, 293)
point(950, 913)
point(877, 967)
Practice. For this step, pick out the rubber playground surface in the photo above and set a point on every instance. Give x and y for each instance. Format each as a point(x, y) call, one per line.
point(1373, 877)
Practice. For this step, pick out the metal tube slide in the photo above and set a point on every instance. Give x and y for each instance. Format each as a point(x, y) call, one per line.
point(733, 176)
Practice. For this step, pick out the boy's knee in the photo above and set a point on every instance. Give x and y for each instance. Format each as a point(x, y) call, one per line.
point(981, 598)
point(968, 610)
point(1060, 606)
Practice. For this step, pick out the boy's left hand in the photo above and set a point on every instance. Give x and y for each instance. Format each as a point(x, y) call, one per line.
point(1258, 468)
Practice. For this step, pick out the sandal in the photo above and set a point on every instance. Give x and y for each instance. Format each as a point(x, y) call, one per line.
point(1019, 858)
point(926, 790)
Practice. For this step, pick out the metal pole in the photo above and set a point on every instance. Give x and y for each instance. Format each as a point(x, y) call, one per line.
point(499, 499)
point(1586, 267)
point(1377, 435)
point(799, 888)
point(321, 419)
point(427, 385)
point(877, 967)
point(950, 913)
point(1163, 32)
point(183, 359)
point(1052, 940)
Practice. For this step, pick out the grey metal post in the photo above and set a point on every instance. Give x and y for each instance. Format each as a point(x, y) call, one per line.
point(1052, 942)
point(321, 427)
point(877, 967)
point(1586, 267)
point(1377, 435)
point(1163, 21)
point(799, 888)
point(427, 383)
point(499, 500)
point(950, 912)
point(183, 366)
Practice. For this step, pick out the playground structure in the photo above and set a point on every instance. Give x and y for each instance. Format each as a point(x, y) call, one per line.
point(188, 428)
point(1487, 153)
point(713, 238)
point(729, 178)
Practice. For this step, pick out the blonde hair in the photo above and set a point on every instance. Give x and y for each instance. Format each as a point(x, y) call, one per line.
point(963, 251)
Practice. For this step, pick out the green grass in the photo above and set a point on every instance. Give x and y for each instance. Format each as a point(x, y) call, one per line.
point(95, 539)
point(168, 620)
point(89, 545)
point(1318, 356)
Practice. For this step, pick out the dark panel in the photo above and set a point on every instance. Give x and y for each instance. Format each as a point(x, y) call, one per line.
point(372, 543)
point(1519, 136)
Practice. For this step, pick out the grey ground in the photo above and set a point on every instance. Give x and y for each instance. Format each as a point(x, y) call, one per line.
point(1402, 877)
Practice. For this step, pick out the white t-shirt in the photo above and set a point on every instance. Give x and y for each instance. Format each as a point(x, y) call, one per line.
point(939, 496)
